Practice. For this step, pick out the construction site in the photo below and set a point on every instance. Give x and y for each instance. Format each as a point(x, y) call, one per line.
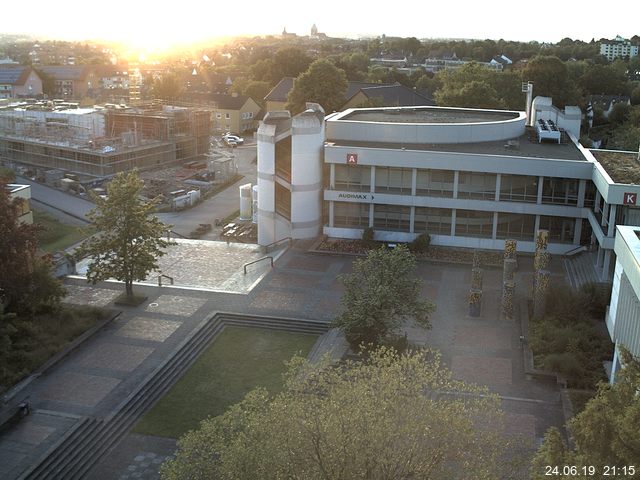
point(98, 142)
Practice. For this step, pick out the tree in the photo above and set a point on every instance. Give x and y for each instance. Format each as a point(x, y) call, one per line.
point(604, 80)
point(382, 418)
point(129, 241)
point(550, 78)
point(168, 87)
point(290, 62)
point(379, 295)
point(323, 83)
point(605, 432)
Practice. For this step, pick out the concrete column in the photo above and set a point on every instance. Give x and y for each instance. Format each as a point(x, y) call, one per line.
point(600, 258)
point(577, 231)
point(494, 232)
point(508, 295)
point(582, 189)
point(536, 225)
point(596, 204)
point(332, 177)
point(612, 220)
point(540, 185)
point(372, 188)
point(456, 178)
point(414, 182)
point(453, 221)
point(498, 183)
point(605, 215)
point(331, 213)
point(412, 218)
point(606, 266)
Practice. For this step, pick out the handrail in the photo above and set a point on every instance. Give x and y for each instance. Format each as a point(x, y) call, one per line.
point(169, 232)
point(165, 276)
point(266, 248)
point(256, 261)
point(575, 250)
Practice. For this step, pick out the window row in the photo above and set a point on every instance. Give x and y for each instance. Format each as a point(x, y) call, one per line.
point(438, 221)
point(471, 185)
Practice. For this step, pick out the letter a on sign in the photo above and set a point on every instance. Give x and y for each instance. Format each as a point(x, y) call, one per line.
point(630, 198)
point(352, 158)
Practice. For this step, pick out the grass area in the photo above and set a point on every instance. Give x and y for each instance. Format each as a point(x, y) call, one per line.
point(239, 360)
point(33, 342)
point(57, 235)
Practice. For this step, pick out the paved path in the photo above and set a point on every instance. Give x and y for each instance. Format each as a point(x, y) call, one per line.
point(95, 378)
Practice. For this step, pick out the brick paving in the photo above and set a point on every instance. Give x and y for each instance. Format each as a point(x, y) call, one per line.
point(95, 378)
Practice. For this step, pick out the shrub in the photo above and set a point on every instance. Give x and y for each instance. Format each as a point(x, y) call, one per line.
point(367, 235)
point(421, 243)
point(597, 295)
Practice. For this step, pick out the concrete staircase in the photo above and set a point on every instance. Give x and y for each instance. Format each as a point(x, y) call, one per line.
point(580, 269)
point(75, 454)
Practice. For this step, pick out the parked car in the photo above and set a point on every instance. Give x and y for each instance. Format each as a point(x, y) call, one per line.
point(229, 137)
point(231, 142)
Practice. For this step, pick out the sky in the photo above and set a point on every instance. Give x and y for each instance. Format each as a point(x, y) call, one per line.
point(159, 24)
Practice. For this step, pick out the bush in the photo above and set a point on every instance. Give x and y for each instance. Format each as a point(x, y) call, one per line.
point(597, 295)
point(421, 243)
point(367, 236)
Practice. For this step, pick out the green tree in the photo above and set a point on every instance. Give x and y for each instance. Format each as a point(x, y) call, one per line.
point(257, 90)
point(129, 241)
point(380, 294)
point(290, 62)
point(18, 259)
point(604, 80)
point(323, 83)
point(169, 87)
point(382, 418)
point(604, 433)
point(550, 78)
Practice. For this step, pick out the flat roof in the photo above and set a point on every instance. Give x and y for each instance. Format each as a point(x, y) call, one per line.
point(622, 167)
point(428, 115)
point(524, 146)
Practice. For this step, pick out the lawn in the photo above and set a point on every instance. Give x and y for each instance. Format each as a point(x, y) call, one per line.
point(57, 235)
point(239, 360)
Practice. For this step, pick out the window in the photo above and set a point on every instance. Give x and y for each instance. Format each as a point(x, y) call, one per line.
point(516, 225)
point(283, 159)
point(355, 178)
point(561, 191)
point(435, 221)
point(350, 215)
point(283, 201)
point(393, 180)
point(477, 185)
point(250, 115)
point(227, 116)
point(519, 188)
point(560, 228)
point(434, 183)
point(391, 217)
point(473, 223)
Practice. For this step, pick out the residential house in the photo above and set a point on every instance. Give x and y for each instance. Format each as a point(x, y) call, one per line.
point(235, 113)
point(73, 81)
point(23, 192)
point(607, 102)
point(387, 96)
point(618, 48)
point(19, 81)
point(501, 60)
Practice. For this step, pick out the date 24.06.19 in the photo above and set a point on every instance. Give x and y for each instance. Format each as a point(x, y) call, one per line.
point(588, 471)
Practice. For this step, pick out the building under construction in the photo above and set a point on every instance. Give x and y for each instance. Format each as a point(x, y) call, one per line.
point(99, 141)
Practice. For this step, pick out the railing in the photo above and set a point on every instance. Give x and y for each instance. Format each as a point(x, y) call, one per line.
point(161, 276)
point(169, 232)
point(256, 261)
point(272, 244)
point(573, 251)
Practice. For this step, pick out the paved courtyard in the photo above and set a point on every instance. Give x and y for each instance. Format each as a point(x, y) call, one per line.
point(95, 378)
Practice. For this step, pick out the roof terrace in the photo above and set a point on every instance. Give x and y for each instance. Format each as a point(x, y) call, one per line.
point(622, 167)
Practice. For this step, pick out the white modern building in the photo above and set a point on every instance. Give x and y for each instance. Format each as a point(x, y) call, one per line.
point(618, 48)
point(623, 314)
point(22, 192)
point(468, 177)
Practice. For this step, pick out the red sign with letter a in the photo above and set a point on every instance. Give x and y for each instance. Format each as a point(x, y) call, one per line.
point(352, 158)
point(630, 199)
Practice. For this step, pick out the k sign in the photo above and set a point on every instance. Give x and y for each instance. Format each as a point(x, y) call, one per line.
point(352, 158)
point(630, 198)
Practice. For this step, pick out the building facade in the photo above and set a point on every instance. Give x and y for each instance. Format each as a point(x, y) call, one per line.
point(23, 193)
point(235, 113)
point(468, 177)
point(618, 48)
point(19, 82)
point(623, 313)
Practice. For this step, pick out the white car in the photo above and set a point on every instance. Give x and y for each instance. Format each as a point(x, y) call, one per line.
point(234, 138)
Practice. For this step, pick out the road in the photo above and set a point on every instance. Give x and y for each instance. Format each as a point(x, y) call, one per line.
point(218, 206)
